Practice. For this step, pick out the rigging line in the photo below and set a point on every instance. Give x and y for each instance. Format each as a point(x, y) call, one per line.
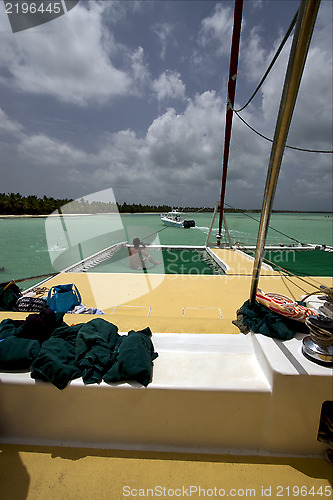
point(281, 269)
point(288, 274)
point(153, 234)
point(298, 286)
point(288, 287)
point(271, 140)
point(286, 270)
point(35, 277)
point(256, 220)
point(293, 22)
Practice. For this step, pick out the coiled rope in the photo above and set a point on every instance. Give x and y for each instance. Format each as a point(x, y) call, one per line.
point(285, 306)
point(321, 330)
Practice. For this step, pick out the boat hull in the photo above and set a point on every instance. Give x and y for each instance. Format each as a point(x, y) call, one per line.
point(172, 223)
point(243, 386)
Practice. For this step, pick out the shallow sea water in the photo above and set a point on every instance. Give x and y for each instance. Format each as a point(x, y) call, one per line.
point(33, 246)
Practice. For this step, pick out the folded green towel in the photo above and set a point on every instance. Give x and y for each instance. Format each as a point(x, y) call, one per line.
point(134, 357)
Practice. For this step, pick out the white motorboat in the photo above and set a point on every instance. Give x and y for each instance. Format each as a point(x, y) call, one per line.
point(174, 219)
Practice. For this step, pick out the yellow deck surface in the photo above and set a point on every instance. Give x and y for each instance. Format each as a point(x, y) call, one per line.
point(36, 473)
point(178, 303)
point(239, 263)
point(170, 303)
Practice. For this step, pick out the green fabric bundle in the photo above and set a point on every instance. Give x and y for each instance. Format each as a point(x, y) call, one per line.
point(17, 354)
point(57, 353)
point(55, 362)
point(9, 295)
point(260, 319)
point(95, 343)
point(134, 357)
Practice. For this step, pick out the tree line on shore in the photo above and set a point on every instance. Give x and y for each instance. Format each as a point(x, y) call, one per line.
point(16, 204)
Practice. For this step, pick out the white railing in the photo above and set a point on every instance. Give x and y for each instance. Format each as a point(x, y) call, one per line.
point(95, 259)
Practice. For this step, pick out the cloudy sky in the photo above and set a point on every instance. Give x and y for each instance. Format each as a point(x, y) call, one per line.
point(131, 95)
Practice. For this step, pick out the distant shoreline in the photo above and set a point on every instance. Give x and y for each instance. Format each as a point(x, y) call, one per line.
point(30, 216)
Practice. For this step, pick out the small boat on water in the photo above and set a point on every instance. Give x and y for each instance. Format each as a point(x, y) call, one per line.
point(174, 219)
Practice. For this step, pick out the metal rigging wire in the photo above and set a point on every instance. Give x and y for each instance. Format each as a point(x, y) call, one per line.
point(256, 220)
point(292, 24)
point(271, 140)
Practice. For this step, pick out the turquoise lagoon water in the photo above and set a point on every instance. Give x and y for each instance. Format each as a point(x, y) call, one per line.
point(31, 246)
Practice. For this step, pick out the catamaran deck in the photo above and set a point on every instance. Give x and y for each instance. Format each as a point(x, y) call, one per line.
point(214, 389)
point(174, 303)
point(39, 473)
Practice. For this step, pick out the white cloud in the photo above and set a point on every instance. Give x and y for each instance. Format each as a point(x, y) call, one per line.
point(311, 126)
point(48, 152)
point(73, 61)
point(169, 85)
point(139, 68)
point(318, 189)
point(180, 153)
point(211, 51)
point(177, 150)
point(218, 28)
point(254, 55)
point(164, 33)
point(181, 150)
point(9, 126)
point(180, 156)
point(312, 121)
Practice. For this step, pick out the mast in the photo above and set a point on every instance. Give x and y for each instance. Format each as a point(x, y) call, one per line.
point(303, 32)
point(230, 102)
